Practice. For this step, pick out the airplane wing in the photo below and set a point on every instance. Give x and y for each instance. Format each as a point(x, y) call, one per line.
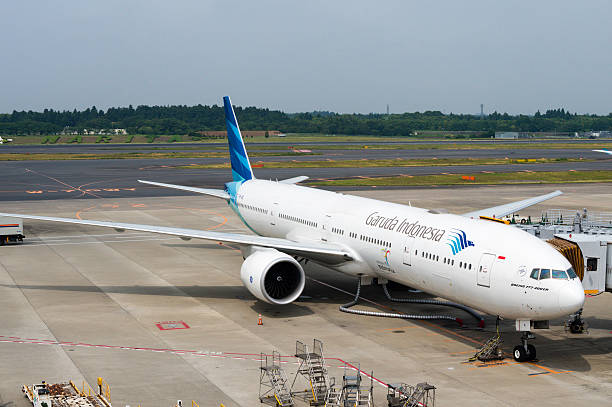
point(219, 193)
point(507, 209)
point(294, 180)
point(603, 151)
point(327, 253)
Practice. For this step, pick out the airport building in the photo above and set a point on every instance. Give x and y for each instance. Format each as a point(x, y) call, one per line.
point(510, 135)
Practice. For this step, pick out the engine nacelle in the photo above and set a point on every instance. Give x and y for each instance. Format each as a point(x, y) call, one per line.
point(272, 276)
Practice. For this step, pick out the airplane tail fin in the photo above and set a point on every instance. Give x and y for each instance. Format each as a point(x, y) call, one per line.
point(241, 167)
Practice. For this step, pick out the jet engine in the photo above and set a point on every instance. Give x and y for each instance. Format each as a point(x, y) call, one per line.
point(272, 276)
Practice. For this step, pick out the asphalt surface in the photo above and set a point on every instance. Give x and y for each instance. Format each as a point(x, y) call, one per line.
point(116, 178)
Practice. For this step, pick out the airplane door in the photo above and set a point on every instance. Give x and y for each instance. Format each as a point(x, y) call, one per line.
point(273, 210)
point(484, 270)
point(408, 245)
point(326, 228)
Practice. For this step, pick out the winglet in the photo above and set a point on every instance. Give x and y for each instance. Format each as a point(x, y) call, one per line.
point(241, 167)
point(294, 180)
point(507, 209)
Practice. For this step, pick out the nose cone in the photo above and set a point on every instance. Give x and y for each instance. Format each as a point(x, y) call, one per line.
point(571, 297)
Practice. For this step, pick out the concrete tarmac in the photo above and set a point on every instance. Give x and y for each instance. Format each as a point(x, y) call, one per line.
point(82, 302)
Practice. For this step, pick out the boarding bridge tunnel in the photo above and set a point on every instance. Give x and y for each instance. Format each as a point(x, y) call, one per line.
point(591, 257)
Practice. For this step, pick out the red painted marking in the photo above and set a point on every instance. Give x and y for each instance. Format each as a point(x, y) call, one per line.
point(240, 356)
point(168, 325)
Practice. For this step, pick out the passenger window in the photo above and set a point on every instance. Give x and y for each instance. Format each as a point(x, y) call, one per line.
point(535, 273)
point(591, 264)
point(544, 274)
point(571, 273)
point(559, 274)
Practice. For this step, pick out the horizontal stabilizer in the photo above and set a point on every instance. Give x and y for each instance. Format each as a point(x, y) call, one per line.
point(294, 180)
point(219, 193)
point(507, 209)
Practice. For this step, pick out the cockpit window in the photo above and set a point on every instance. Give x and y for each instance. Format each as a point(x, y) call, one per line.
point(541, 274)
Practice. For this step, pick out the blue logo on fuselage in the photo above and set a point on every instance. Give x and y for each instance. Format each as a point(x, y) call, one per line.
point(458, 241)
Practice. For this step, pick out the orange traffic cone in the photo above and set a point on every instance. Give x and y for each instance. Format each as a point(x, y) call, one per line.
point(259, 320)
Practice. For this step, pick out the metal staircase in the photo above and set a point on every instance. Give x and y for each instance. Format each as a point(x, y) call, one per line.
point(364, 399)
point(273, 388)
point(351, 384)
point(421, 396)
point(354, 394)
point(404, 395)
point(312, 368)
point(334, 397)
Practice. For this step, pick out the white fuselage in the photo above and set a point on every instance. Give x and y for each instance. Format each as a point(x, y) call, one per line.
point(479, 263)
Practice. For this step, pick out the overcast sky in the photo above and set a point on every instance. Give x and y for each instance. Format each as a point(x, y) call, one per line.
point(344, 56)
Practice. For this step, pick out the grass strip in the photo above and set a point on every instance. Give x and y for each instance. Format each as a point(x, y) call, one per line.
point(391, 163)
point(587, 146)
point(489, 145)
point(523, 177)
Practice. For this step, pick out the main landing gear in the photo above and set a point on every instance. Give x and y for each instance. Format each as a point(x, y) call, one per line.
point(525, 352)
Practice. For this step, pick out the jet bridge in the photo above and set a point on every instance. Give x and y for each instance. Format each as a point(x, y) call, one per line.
point(591, 256)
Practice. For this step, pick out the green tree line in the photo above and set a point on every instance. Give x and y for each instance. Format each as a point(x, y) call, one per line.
point(190, 119)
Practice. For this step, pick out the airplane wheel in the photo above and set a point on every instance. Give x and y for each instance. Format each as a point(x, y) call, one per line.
point(531, 351)
point(576, 327)
point(520, 355)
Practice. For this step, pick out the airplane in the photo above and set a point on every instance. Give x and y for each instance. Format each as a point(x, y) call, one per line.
point(5, 140)
point(471, 259)
point(603, 151)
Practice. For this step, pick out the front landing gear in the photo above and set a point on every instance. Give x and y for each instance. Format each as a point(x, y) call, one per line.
point(576, 324)
point(525, 352)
